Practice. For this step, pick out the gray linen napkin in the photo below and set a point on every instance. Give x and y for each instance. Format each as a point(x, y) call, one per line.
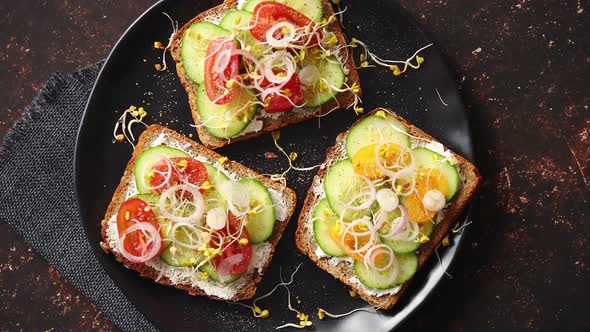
point(37, 192)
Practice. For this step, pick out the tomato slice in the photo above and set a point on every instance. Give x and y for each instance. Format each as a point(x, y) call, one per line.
point(291, 95)
point(267, 14)
point(245, 250)
point(220, 67)
point(137, 243)
point(184, 170)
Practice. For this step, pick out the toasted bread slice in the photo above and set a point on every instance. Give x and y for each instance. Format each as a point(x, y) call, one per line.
point(278, 120)
point(470, 180)
point(245, 287)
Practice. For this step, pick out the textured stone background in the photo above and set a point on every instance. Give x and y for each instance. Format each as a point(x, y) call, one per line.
point(523, 69)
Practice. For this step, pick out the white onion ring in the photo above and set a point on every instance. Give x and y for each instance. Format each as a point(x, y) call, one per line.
point(398, 224)
point(348, 230)
point(407, 170)
point(170, 194)
point(369, 262)
point(285, 40)
point(154, 237)
point(408, 233)
point(370, 256)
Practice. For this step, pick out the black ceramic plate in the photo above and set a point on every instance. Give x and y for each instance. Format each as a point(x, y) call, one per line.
point(128, 77)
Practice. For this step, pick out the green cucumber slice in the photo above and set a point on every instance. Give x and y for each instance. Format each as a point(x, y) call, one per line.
point(212, 273)
point(314, 9)
point(408, 265)
point(244, 36)
point(250, 5)
point(147, 159)
point(330, 69)
point(212, 196)
point(261, 224)
point(179, 256)
point(426, 158)
point(375, 129)
point(404, 247)
point(227, 120)
point(193, 48)
point(341, 184)
point(323, 219)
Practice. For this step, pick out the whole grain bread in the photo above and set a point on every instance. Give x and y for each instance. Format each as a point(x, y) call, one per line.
point(282, 119)
point(229, 167)
point(470, 180)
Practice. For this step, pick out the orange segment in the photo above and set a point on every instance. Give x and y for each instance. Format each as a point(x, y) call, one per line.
point(426, 180)
point(348, 246)
point(364, 160)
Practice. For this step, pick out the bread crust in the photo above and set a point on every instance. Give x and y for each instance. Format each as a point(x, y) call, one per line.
point(269, 124)
point(470, 181)
point(145, 140)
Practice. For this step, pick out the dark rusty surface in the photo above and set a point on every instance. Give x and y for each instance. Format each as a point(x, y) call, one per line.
point(523, 70)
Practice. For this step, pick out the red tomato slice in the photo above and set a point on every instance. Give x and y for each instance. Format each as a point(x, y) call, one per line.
point(279, 102)
point(217, 78)
point(184, 169)
point(267, 14)
point(132, 211)
point(235, 248)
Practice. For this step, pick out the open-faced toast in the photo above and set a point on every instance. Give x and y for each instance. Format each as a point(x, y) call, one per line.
point(189, 278)
point(263, 122)
point(343, 268)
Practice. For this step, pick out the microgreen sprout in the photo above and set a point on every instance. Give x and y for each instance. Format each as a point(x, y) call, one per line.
point(441, 264)
point(257, 311)
point(125, 123)
point(322, 313)
point(367, 55)
point(459, 228)
point(160, 46)
point(290, 158)
point(440, 97)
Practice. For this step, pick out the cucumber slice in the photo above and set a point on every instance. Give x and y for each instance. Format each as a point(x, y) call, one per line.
point(375, 129)
point(212, 273)
point(404, 247)
point(238, 20)
point(341, 184)
point(147, 159)
point(213, 197)
point(179, 256)
point(227, 120)
point(330, 70)
point(260, 224)
point(250, 5)
point(426, 158)
point(323, 219)
point(408, 265)
point(314, 9)
point(193, 48)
